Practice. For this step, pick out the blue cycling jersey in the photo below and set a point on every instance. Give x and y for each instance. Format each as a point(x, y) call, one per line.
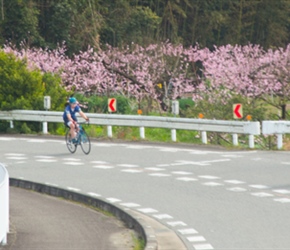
point(72, 112)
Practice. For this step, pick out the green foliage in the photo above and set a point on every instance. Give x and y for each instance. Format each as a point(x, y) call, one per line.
point(99, 104)
point(19, 88)
point(185, 105)
point(19, 22)
point(83, 23)
point(53, 87)
point(25, 129)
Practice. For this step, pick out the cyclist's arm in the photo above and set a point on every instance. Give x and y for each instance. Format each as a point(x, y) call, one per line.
point(70, 118)
point(82, 114)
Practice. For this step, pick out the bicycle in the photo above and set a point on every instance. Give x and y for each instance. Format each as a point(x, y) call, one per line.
point(82, 139)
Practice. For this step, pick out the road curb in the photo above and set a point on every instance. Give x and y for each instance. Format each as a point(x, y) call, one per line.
point(151, 231)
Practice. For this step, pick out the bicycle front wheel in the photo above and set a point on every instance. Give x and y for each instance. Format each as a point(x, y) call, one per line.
point(70, 145)
point(85, 142)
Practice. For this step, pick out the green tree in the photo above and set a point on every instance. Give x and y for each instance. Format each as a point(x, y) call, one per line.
point(20, 22)
point(54, 88)
point(19, 87)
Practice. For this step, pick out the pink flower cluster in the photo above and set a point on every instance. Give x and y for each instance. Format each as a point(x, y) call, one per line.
point(136, 71)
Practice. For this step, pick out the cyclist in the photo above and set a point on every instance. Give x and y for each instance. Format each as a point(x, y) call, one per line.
point(70, 119)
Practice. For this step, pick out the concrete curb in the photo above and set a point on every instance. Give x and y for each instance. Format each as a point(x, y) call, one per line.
point(155, 235)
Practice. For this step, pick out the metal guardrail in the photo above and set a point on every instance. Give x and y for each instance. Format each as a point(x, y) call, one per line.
point(278, 128)
point(4, 205)
point(109, 120)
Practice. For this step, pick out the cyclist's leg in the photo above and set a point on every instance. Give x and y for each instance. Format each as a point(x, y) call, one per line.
point(72, 129)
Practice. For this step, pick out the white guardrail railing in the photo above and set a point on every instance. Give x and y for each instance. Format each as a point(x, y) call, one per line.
point(278, 128)
point(109, 120)
point(4, 205)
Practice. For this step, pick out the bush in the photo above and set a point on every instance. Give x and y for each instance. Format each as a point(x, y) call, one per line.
point(19, 88)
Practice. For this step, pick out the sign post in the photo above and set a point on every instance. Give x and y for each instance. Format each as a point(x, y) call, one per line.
point(47, 106)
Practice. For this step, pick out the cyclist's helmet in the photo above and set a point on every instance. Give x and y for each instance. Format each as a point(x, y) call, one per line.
point(72, 100)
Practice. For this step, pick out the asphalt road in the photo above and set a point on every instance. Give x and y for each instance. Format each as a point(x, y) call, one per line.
point(212, 198)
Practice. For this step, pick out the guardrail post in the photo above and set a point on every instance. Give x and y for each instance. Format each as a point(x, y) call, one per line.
point(251, 141)
point(173, 135)
point(142, 132)
point(204, 137)
point(109, 131)
point(11, 124)
point(44, 128)
point(235, 140)
point(279, 141)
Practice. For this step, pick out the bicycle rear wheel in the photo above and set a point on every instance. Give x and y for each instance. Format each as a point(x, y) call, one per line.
point(71, 146)
point(85, 142)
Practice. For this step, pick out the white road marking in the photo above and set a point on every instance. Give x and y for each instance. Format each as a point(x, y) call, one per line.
point(196, 239)
point(103, 167)
point(113, 200)
point(137, 147)
point(155, 169)
point(162, 216)
point(173, 150)
point(209, 177)
point(16, 158)
point(127, 165)
point(6, 139)
point(187, 231)
point(51, 184)
point(44, 157)
point(214, 161)
point(147, 210)
point(14, 154)
point(180, 163)
point(237, 189)
point(231, 156)
point(132, 170)
point(282, 191)
point(160, 175)
point(196, 152)
point(181, 172)
point(203, 247)
point(176, 223)
point(130, 205)
point(186, 179)
point(262, 194)
point(36, 140)
point(212, 184)
point(259, 186)
point(71, 159)
point(46, 160)
point(94, 194)
point(73, 189)
point(283, 200)
point(236, 182)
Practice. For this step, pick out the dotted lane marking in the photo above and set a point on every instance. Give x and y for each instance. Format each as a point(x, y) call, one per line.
point(187, 231)
point(103, 167)
point(147, 210)
point(163, 216)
